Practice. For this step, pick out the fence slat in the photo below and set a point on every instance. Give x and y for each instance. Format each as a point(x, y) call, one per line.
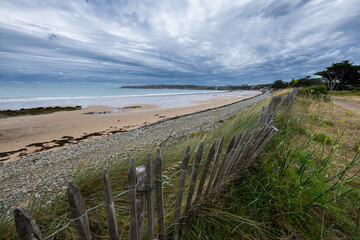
point(205, 171)
point(132, 184)
point(222, 166)
point(194, 175)
point(25, 225)
point(150, 196)
point(183, 170)
point(159, 196)
point(215, 165)
point(77, 206)
point(140, 199)
point(110, 209)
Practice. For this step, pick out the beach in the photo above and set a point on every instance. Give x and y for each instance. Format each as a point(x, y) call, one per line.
point(46, 173)
point(26, 135)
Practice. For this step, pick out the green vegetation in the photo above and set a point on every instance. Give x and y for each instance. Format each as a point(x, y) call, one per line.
point(321, 137)
point(314, 91)
point(132, 107)
point(341, 76)
point(299, 188)
point(35, 111)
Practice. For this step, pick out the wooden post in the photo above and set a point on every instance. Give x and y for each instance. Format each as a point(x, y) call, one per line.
point(205, 171)
point(140, 199)
point(78, 211)
point(110, 209)
point(194, 175)
point(132, 185)
point(150, 196)
point(183, 170)
point(159, 196)
point(216, 163)
point(25, 225)
point(222, 166)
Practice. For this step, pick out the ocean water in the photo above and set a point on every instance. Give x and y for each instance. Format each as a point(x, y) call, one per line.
point(28, 97)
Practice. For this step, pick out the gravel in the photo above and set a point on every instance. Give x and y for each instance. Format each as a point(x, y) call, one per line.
point(48, 172)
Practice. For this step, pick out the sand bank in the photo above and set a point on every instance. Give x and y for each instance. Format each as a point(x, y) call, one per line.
point(22, 136)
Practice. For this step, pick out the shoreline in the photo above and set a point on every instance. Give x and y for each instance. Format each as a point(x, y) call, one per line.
point(56, 130)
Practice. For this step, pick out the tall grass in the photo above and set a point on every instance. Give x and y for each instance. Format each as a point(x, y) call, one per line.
point(296, 190)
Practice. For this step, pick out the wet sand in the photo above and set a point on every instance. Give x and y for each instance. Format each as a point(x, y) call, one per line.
point(26, 135)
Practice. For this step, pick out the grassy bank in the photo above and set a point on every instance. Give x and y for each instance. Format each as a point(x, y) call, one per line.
point(35, 111)
point(302, 186)
point(305, 185)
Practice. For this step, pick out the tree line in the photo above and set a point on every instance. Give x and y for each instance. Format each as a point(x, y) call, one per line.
point(344, 75)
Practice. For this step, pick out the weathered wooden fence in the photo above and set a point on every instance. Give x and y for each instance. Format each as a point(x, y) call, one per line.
point(142, 182)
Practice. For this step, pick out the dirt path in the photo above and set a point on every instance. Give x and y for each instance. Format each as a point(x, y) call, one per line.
point(347, 104)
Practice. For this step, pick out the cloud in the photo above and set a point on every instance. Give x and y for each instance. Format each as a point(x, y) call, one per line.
point(193, 42)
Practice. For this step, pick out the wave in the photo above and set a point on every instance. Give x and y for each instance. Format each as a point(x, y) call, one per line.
point(27, 99)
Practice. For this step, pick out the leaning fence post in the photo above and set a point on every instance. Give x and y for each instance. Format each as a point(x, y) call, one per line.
point(140, 199)
point(194, 175)
point(25, 225)
point(78, 212)
point(132, 184)
point(205, 171)
point(110, 209)
point(150, 196)
point(223, 163)
point(183, 169)
point(216, 163)
point(159, 196)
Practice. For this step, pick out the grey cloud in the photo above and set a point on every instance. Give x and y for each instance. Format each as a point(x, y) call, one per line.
point(174, 42)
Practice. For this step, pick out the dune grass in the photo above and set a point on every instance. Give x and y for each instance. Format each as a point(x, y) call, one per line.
point(298, 188)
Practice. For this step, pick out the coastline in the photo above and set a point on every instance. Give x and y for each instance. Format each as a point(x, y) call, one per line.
point(47, 173)
point(27, 135)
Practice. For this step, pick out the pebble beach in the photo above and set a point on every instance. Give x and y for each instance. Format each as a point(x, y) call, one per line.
point(48, 172)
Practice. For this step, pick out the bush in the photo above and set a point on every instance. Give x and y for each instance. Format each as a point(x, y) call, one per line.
point(318, 91)
point(321, 137)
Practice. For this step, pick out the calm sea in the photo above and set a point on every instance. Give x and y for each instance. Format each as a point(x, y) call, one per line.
point(27, 97)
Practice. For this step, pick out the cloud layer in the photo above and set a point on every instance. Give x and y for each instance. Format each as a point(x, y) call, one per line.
point(170, 42)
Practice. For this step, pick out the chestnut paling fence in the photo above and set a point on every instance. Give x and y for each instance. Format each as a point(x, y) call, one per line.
point(145, 185)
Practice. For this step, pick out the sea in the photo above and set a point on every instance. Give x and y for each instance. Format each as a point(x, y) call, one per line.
point(38, 96)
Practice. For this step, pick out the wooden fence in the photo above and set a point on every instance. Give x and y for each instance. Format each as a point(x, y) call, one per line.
point(143, 182)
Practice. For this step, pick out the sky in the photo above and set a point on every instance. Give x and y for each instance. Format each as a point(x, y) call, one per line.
point(202, 42)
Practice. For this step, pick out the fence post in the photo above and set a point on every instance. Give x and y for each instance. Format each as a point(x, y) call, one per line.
point(216, 163)
point(222, 166)
point(194, 175)
point(78, 212)
point(110, 209)
point(140, 199)
point(25, 225)
point(150, 196)
point(159, 196)
point(205, 171)
point(183, 169)
point(132, 185)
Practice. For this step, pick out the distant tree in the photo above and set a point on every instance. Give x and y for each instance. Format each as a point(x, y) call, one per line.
point(279, 84)
point(341, 73)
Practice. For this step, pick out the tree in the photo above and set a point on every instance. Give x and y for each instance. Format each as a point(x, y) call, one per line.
point(341, 73)
point(279, 84)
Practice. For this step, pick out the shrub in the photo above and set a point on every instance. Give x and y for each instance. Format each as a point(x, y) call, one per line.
point(321, 137)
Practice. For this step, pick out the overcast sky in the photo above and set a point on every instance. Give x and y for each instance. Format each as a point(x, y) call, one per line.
point(207, 42)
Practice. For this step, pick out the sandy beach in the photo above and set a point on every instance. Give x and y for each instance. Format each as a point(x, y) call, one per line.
point(26, 135)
